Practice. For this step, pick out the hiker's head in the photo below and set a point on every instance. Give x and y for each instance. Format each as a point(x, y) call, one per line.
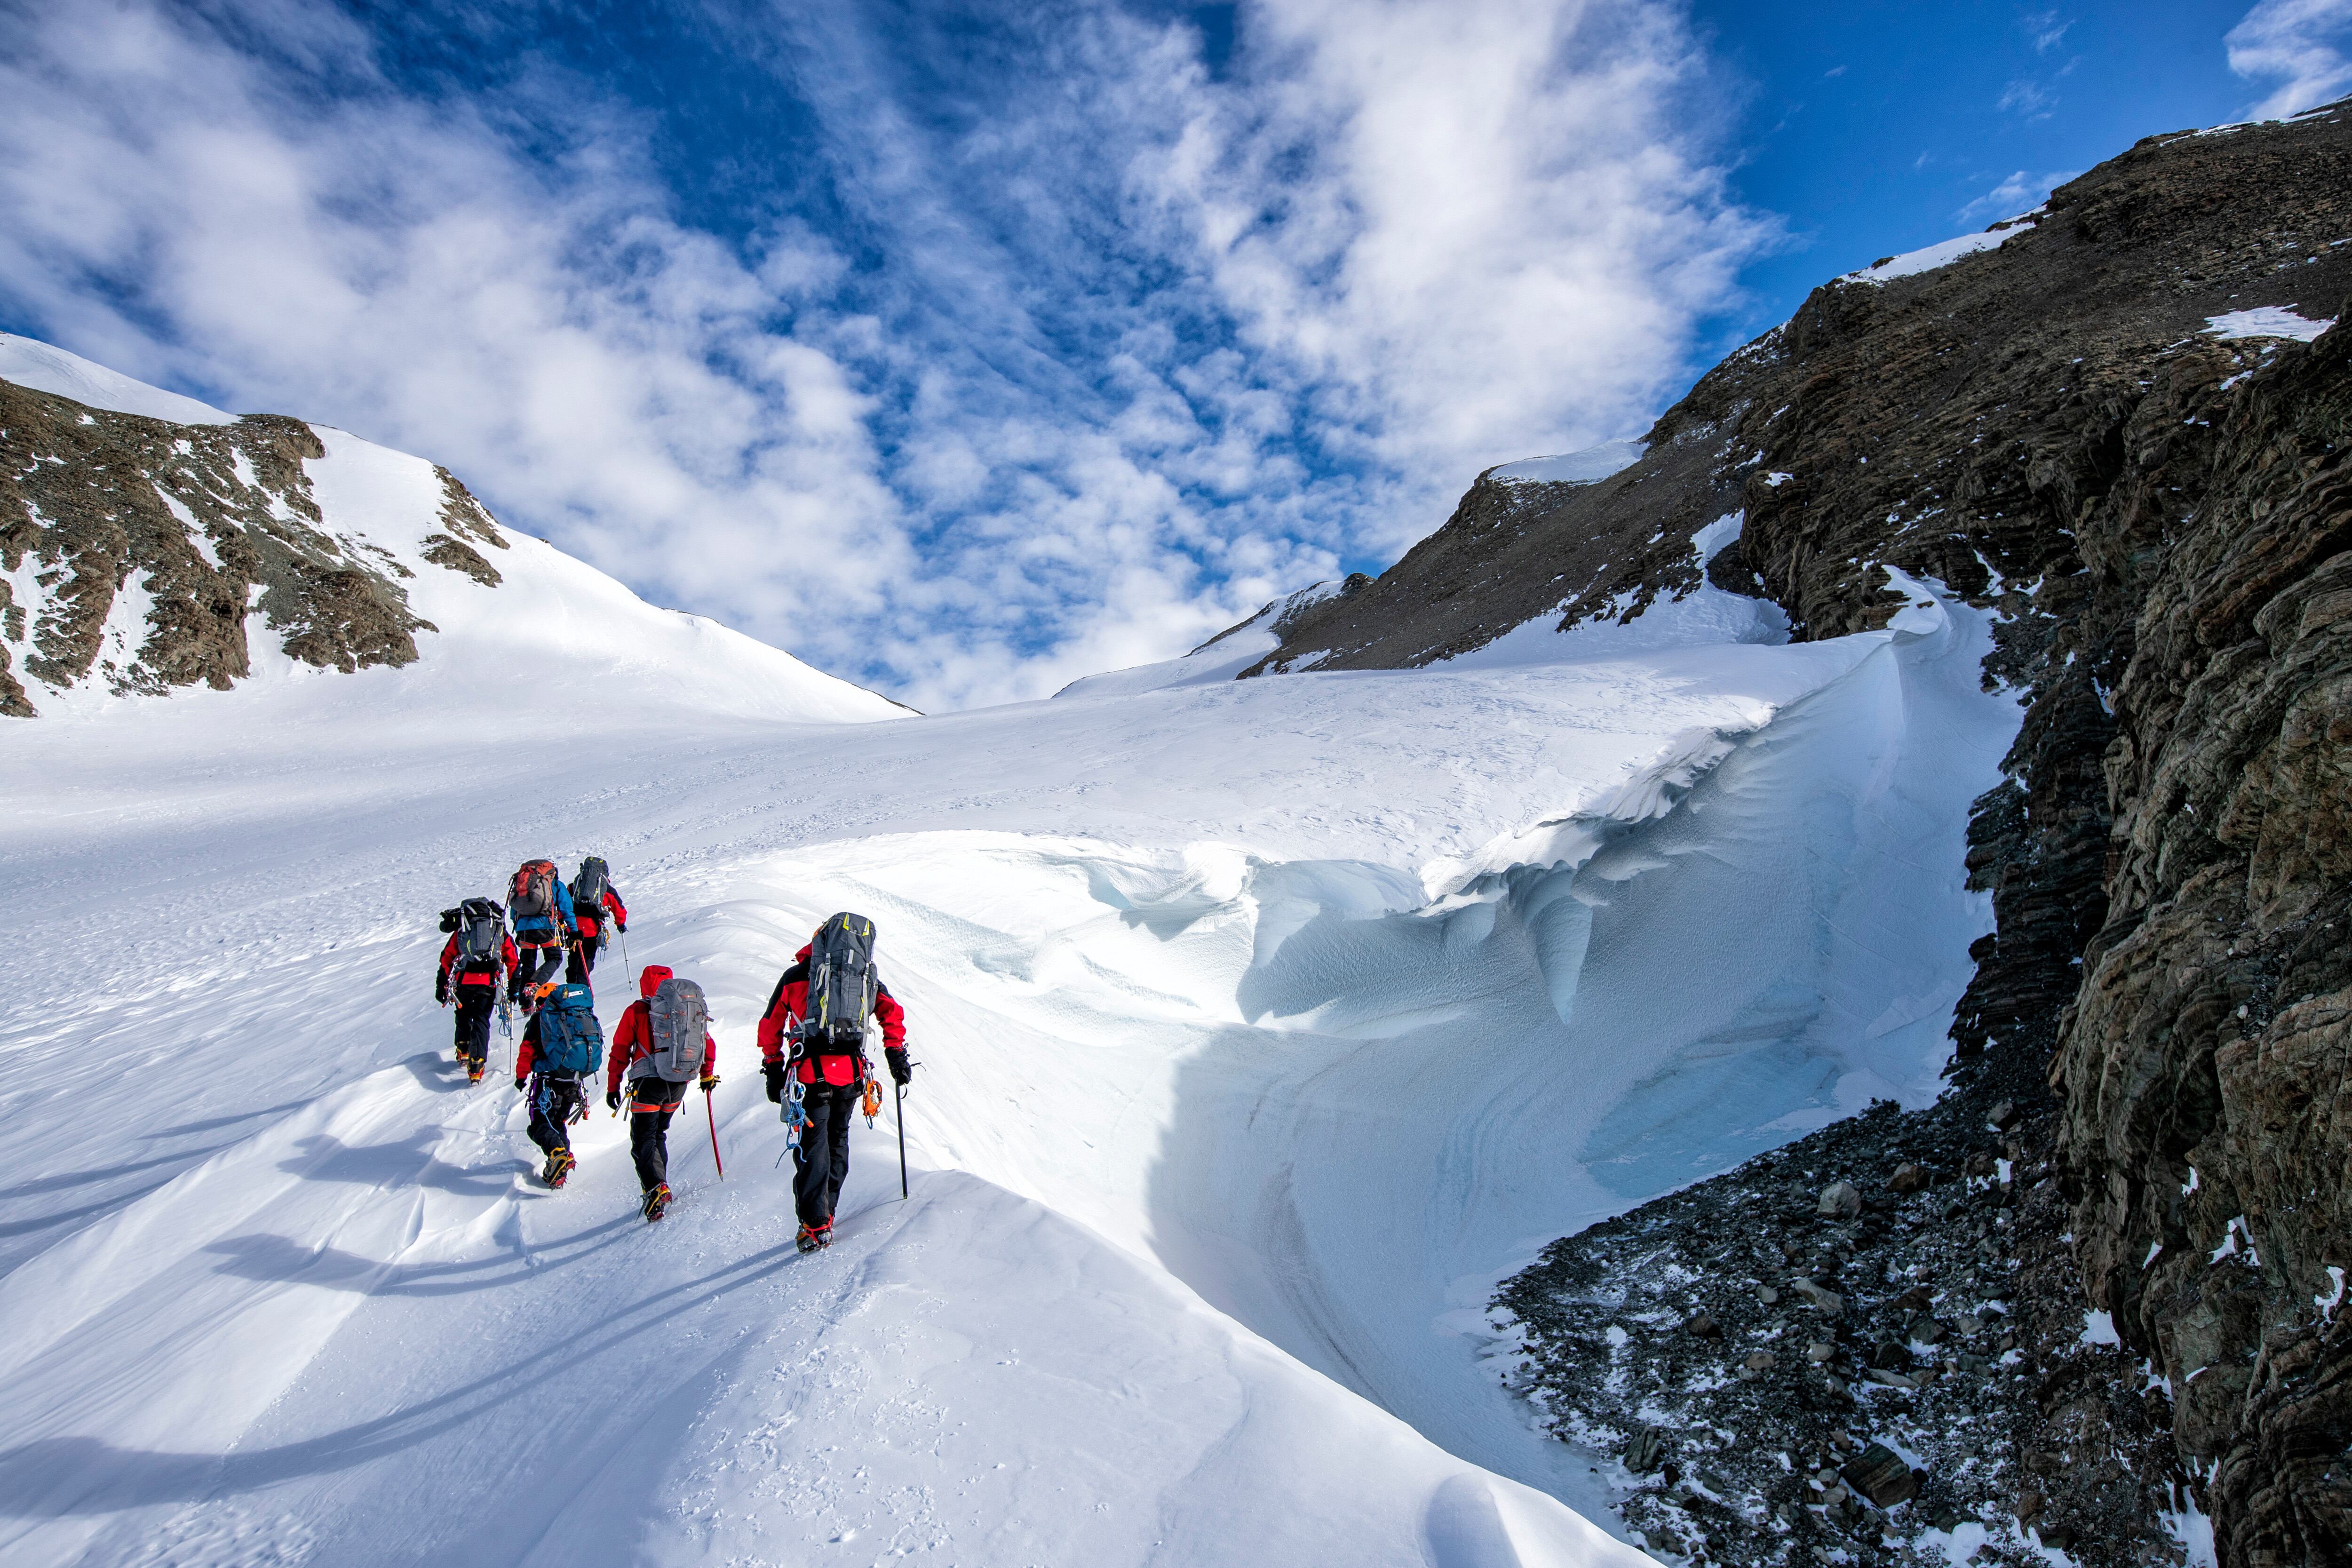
point(650, 978)
point(543, 991)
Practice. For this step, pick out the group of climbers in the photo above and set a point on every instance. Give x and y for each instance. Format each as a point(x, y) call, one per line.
point(811, 1035)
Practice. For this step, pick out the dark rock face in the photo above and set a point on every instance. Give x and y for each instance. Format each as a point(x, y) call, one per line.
point(2213, 1030)
point(140, 547)
point(2161, 1025)
point(1955, 424)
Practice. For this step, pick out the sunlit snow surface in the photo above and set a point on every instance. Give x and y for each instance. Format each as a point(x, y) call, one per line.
point(30, 362)
point(1944, 252)
point(1263, 1026)
point(1587, 467)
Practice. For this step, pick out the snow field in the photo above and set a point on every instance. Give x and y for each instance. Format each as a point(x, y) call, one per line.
point(1263, 1026)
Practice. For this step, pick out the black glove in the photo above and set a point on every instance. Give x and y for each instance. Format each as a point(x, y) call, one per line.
point(775, 1073)
point(612, 1099)
point(709, 1081)
point(621, 926)
point(441, 993)
point(519, 1082)
point(901, 1070)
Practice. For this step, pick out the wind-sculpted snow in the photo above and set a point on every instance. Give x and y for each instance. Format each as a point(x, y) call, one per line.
point(1262, 1026)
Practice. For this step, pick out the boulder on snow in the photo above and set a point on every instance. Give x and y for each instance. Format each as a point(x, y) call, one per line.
point(1828, 1303)
point(1842, 1199)
point(1645, 1451)
point(1909, 1177)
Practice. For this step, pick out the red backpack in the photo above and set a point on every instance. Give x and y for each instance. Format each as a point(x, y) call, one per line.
point(532, 894)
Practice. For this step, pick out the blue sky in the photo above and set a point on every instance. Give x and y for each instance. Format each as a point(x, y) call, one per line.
point(965, 348)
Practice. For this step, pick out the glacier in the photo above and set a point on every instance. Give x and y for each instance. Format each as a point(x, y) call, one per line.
point(1263, 1026)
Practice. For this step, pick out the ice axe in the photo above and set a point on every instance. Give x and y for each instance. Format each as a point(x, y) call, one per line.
point(713, 1117)
point(898, 1108)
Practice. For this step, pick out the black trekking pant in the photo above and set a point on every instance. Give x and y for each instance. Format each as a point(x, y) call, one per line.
point(580, 960)
point(474, 1006)
point(553, 1098)
point(653, 1101)
point(537, 963)
point(822, 1162)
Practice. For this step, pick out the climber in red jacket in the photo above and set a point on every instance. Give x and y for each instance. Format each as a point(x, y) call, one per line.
point(474, 984)
point(653, 1098)
point(594, 899)
point(832, 1077)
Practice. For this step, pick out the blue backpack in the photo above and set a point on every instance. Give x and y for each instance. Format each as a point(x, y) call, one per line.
point(570, 1038)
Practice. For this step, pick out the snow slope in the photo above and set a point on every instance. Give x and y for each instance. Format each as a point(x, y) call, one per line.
point(28, 361)
point(1587, 467)
point(554, 627)
point(1221, 658)
point(1944, 252)
point(1263, 1025)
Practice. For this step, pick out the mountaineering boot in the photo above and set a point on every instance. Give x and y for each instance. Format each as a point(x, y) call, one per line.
point(656, 1204)
point(812, 1237)
point(473, 1069)
point(558, 1166)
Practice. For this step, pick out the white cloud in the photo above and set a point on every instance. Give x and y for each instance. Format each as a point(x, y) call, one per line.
point(2047, 29)
point(2305, 46)
point(2018, 193)
point(1107, 356)
point(2029, 98)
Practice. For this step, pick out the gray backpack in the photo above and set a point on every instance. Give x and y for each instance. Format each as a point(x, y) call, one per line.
point(482, 931)
point(841, 986)
point(682, 1023)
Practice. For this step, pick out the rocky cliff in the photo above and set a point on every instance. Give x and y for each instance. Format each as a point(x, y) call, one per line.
point(141, 554)
point(2117, 423)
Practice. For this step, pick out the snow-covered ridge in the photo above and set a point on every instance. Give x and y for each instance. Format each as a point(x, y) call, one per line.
point(1588, 466)
point(1945, 252)
point(1221, 658)
point(29, 363)
point(265, 551)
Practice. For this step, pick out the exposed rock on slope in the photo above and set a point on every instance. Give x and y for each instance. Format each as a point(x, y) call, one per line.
point(2112, 425)
point(2204, 1070)
point(137, 553)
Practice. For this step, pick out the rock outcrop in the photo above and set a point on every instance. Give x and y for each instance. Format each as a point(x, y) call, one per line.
point(137, 554)
point(1953, 422)
point(2118, 426)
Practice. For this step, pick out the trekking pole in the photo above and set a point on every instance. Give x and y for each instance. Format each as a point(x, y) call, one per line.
point(898, 1097)
point(714, 1123)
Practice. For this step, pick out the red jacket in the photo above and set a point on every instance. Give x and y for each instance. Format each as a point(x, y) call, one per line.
point(469, 974)
point(790, 1000)
point(587, 920)
point(633, 1040)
